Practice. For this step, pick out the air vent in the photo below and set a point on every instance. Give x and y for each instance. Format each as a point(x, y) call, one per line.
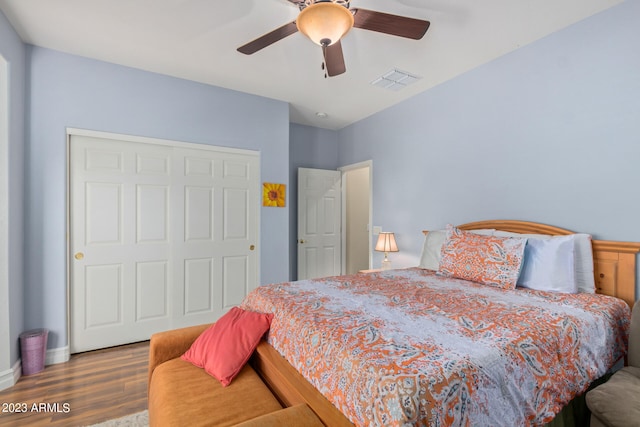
point(395, 80)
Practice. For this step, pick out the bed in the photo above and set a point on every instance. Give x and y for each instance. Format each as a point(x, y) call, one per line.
point(482, 356)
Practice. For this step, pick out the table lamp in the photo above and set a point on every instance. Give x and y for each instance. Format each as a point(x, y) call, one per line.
point(386, 243)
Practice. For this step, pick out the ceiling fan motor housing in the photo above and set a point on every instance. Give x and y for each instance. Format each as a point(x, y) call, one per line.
point(305, 3)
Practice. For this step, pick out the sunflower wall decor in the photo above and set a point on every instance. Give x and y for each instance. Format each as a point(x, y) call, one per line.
point(274, 195)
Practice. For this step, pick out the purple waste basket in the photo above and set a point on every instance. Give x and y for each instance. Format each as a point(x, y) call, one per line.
point(33, 348)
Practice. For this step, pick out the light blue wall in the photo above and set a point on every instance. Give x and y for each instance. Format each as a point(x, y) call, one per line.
point(70, 91)
point(548, 133)
point(310, 147)
point(13, 51)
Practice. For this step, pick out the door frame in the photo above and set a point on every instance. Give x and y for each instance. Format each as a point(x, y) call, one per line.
point(343, 190)
point(70, 132)
point(8, 375)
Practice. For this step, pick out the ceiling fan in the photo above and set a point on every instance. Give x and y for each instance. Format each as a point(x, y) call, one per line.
point(325, 22)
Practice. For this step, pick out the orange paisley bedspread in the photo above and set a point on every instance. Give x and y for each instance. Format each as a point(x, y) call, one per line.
point(407, 347)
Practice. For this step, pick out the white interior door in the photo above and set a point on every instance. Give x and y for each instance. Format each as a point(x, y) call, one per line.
point(319, 223)
point(162, 236)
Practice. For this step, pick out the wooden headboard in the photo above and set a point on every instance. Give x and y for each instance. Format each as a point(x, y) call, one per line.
point(614, 262)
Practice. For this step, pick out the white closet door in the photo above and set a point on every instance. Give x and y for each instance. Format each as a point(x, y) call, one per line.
point(149, 246)
point(215, 254)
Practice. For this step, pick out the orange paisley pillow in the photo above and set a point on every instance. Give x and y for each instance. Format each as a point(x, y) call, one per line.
point(490, 260)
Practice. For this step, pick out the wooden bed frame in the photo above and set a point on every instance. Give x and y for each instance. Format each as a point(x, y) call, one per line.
point(615, 274)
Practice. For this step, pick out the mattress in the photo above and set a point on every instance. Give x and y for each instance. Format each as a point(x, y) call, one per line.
point(408, 347)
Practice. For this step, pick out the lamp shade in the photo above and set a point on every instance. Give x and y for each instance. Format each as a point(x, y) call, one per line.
point(386, 243)
point(324, 23)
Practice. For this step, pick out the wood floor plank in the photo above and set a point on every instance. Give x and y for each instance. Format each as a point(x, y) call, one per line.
point(92, 387)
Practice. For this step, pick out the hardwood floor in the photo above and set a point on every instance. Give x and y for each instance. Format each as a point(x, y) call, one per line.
point(92, 387)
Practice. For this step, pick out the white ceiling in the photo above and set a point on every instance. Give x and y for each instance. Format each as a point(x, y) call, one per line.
point(197, 40)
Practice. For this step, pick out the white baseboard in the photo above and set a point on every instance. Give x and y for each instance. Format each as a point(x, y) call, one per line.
point(11, 376)
point(57, 355)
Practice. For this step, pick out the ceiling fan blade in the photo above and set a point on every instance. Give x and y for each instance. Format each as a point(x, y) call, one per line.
point(269, 38)
point(334, 59)
point(401, 26)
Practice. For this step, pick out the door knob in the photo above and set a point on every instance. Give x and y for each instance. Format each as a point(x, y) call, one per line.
point(79, 256)
point(252, 247)
point(301, 241)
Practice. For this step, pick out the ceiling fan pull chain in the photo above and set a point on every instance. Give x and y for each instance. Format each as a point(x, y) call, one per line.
point(324, 57)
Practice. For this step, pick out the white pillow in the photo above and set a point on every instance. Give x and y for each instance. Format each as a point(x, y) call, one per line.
point(549, 265)
point(430, 257)
point(584, 264)
point(582, 257)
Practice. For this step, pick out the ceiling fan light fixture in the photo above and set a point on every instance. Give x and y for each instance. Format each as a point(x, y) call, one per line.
point(325, 23)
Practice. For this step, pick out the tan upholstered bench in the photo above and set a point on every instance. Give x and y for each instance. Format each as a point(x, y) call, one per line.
point(181, 394)
point(294, 416)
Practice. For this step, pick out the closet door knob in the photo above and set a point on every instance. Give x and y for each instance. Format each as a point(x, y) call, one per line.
point(79, 256)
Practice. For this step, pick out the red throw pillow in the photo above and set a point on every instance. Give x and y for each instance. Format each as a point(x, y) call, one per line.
point(225, 347)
